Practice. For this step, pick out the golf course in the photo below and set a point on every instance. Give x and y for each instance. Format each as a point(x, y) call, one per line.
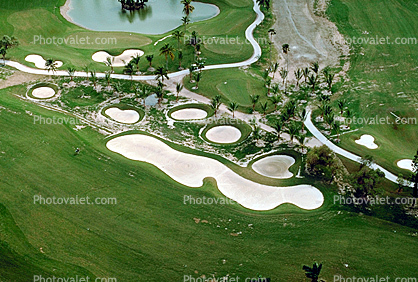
point(210, 140)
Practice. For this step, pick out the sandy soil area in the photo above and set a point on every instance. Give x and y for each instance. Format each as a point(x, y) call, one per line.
point(405, 164)
point(123, 116)
point(274, 166)
point(19, 77)
point(118, 61)
point(39, 61)
point(43, 92)
point(223, 134)
point(367, 141)
point(188, 114)
point(190, 170)
point(311, 38)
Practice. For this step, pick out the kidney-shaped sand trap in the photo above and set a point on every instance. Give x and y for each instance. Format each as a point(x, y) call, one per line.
point(190, 170)
point(187, 114)
point(405, 164)
point(39, 61)
point(123, 116)
point(367, 141)
point(118, 61)
point(223, 134)
point(274, 166)
point(43, 92)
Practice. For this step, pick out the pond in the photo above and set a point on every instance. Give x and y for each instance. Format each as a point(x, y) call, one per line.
point(160, 16)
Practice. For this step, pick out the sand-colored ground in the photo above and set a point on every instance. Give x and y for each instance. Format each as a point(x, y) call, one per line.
point(190, 170)
point(367, 141)
point(43, 92)
point(123, 116)
point(39, 61)
point(223, 134)
point(188, 114)
point(118, 61)
point(310, 37)
point(274, 166)
point(405, 164)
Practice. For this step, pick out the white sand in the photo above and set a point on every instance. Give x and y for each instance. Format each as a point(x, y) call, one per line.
point(274, 166)
point(39, 61)
point(187, 114)
point(405, 164)
point(367, 141)
point(126, 56)
point(43, 92)
point(223, 134)
point(123, 116)
point(190, 170)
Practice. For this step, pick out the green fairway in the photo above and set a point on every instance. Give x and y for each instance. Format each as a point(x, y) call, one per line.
point(150, 234)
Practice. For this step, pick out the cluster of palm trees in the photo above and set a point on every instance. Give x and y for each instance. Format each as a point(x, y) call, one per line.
point(6, 43)
point(132, 5)
point(188, 8)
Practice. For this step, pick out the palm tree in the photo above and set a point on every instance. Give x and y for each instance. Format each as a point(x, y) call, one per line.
point(254, 99)
point(283, 74)
point(197, 78)
point(301, 139)
point(185, 21)
point(178, 35)
point(180, 57)
point(6, 43)
point(264, 106)
point(341, 105)
point(298, 75)
point(93, 77)
point(86, 70)
point(275, 89)
point(188, 8)
point(286, 49)
point(143, 92)
point(306, 74)
point(292, 130)
point(302, 116)
point(71, 71)
point(271, 32)
point(160, 94)
point(233, 106)
point(200, 64)
point(275, 100)
point(109, 62)
point(336, 127)
point(179, 87)
point(268, 84)
point(135, 60)
point(315, 67)
point(264, 3)
point(274, 68)
point(51, 65)
point(312, 81)
point(3, 52)
point(192, 68)
point(149, 59)
point(129, 70)
point(215, 103)
point(167, 51)
point(108, 77)
point(329, 79)
point(313, 272)
point(278, 126)
point(161, 72)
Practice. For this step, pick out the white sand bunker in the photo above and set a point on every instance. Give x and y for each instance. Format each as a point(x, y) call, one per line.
point(223, 134)
point(190, 170)
point(39, 61)
point(274, 166)
point(405, 164)
point(367, 141)
point(187, 114)
point(123, 116)
point(43, 92)
point(118, 61)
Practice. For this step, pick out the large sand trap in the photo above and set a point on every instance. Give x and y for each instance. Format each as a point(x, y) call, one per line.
point(274, 166)
point(187, 114)
point(39, 61)
point(367, 141)
point(123, 116)
point(126, 56)
point(223, 134)
point(190, 170)
point(405, 164)
point(43, 92)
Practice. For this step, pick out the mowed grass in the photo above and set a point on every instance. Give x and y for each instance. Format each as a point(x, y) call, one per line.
point(28, 21)
point(150, 234)
point(383, 77)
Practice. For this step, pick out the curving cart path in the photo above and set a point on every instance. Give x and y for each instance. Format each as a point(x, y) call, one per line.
point(248, 34)
point(315, 132)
